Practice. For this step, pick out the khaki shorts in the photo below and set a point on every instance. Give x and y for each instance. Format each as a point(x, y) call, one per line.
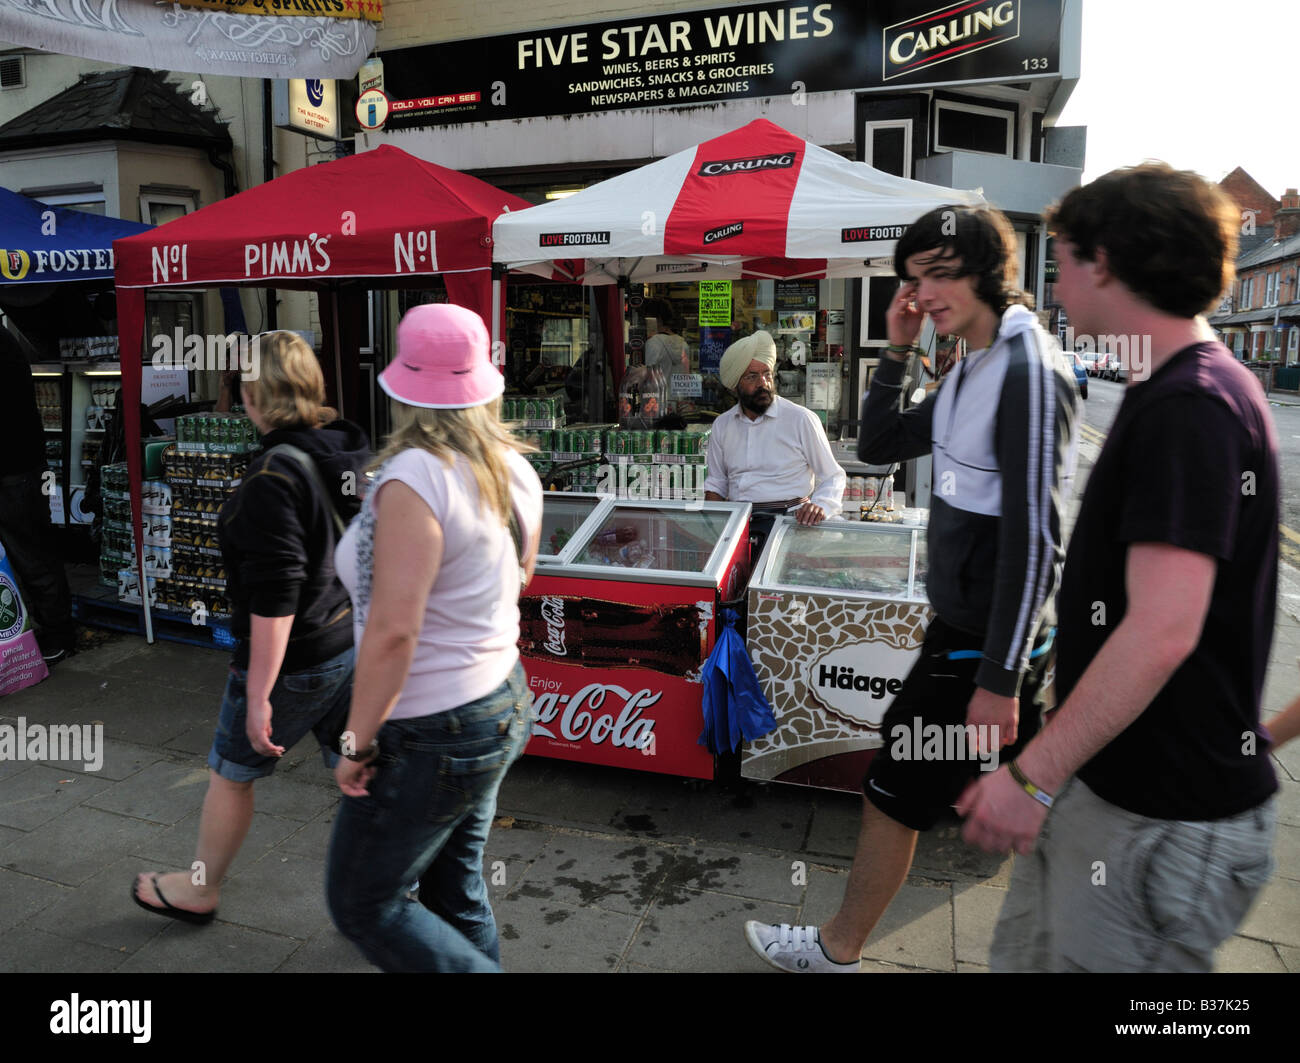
point(1109, 890)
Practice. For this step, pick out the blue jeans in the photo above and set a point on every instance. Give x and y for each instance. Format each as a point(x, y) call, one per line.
point(315, 699)
point(427, 816)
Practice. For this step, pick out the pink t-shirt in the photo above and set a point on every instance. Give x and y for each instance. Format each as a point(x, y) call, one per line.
point(468, 642)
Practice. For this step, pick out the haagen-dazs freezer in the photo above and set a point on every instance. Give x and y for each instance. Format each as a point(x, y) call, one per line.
point(618, 621)
point(837, 613)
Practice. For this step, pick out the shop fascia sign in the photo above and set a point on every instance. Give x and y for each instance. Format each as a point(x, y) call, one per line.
point(758, 50)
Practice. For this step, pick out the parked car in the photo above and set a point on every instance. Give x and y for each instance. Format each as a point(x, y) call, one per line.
point(1074, 363)
point(1089, 360)
point(1111, 366)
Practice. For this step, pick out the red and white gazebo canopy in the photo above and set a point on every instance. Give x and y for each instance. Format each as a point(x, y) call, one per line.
point(756, 202)
point(382, 214)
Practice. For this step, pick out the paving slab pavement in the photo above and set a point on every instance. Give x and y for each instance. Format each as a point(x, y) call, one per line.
point(591, 869)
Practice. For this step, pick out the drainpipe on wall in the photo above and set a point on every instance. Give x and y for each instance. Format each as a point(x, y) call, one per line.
point(268, 175)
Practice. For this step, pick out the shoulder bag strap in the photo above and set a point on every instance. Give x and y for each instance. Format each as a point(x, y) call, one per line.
point(313, 472)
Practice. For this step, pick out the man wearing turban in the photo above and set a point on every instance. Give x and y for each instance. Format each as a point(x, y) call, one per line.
point(767, 450)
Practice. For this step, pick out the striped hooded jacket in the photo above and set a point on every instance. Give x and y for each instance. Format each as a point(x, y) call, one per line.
point(1003, 431)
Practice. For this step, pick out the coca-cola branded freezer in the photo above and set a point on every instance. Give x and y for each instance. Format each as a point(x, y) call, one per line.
point(837, 613)
point(618, 621)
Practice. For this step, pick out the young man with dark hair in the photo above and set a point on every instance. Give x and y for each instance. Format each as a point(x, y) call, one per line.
point(1155, 766)
point(1001, 428)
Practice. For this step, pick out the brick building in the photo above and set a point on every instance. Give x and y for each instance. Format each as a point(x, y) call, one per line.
point(1260, 315)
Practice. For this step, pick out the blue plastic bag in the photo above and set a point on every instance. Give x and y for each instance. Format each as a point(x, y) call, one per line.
point(734, 706)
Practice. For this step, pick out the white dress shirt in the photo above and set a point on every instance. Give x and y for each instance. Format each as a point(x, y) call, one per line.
point(779, 455)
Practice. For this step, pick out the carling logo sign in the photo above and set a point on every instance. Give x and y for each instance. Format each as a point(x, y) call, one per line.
point(949, 32)
point(722, 167)
point(724, 232)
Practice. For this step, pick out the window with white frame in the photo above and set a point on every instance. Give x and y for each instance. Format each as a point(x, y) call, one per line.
point(1293, 346)
point(88, 198)
point(970, 127)
point(1243, 299)
point(161, 205)
point(1270, 289)
point(888, 146)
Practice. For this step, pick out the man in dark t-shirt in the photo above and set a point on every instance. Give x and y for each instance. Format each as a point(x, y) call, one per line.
point(1155, 767)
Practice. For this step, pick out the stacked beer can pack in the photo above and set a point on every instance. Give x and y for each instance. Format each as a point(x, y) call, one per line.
point(627, 463)
point(117, 542)
point(870, 498)
point(202, 469)
point(533, 413)
point(182, 558)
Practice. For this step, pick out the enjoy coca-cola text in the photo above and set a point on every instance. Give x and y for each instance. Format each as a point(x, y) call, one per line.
point(579, 716)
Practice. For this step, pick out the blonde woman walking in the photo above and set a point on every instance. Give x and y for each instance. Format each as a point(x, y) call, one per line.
point(292, 668)
point(440, 708)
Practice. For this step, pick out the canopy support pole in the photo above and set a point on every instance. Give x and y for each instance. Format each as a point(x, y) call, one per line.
point(338, 349)
point(498, 353)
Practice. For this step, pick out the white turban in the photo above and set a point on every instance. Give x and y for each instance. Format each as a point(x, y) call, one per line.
point(758, 347)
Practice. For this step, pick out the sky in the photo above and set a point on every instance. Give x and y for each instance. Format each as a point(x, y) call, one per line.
point(1205, 86)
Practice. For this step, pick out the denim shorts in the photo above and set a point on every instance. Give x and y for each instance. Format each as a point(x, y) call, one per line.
point(1109, 890)
point(316, 699)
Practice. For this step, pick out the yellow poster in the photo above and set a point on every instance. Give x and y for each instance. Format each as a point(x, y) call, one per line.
point(715, 303)
point(370, 10)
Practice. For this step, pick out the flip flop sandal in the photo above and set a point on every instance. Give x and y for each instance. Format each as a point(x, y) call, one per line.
point(170, 910)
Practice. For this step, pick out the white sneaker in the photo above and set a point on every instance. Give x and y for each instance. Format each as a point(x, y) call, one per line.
point(793, 948)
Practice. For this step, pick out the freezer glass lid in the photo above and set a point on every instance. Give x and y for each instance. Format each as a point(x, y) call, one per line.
point(561, 517)
point(664, 539)
point(852, 559)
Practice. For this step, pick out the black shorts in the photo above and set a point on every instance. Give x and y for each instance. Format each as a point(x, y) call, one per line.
point(924, 766)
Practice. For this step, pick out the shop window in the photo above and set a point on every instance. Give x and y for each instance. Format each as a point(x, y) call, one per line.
point(888, 146)
point(969, 127)
point(876, 295)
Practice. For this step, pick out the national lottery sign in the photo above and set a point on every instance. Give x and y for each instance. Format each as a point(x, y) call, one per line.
point(694, 57)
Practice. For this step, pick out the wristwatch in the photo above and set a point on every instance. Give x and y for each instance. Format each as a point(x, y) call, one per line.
point(368, 754)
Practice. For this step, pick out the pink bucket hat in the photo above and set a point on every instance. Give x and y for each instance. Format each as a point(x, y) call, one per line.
point(442, 360)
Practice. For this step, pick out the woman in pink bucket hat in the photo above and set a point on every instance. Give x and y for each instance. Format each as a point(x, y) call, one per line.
point(440, 706)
